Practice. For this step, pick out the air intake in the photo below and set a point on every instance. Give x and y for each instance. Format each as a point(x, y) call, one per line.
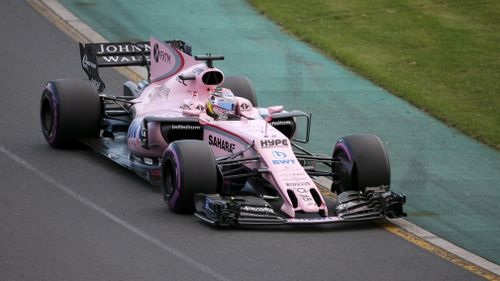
point(293, 198)
point(212, 78)
point(316, 196)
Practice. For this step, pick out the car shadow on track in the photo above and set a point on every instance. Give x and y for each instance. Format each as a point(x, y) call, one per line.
point(336, 227)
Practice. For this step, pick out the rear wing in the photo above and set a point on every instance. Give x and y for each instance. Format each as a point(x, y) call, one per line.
point(114, 54)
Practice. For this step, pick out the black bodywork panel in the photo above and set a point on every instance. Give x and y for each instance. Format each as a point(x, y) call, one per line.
point(116, 149)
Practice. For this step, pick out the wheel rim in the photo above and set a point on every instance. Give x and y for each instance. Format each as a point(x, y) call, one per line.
point(48, 116)
point(169, 179)
point(345, 182)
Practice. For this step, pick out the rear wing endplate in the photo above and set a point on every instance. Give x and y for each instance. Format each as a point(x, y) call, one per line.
point(114, 54)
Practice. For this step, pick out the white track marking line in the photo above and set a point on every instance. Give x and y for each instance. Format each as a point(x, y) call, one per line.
point(63, 188)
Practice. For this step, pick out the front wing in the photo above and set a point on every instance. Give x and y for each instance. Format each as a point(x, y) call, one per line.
point(249, 210)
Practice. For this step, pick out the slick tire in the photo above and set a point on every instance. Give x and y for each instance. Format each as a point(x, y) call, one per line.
point(188, 167)
point(363, 163)
point(69, 109)
point(241, 87)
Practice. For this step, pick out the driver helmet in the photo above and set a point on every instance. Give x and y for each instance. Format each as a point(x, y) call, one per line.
point(221, 105)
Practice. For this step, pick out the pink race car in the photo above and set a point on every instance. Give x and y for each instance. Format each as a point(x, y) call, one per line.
point(201, 137)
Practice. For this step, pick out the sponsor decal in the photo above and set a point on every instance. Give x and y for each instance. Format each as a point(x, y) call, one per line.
point(122, 48)
point(301, 190)
point(184, 127)
point(169, 60)
point(197, 70)
point(244, 106)
point(190, 105)
point(283, 161)
point(200, 107)
point(137, 131)
point(257, 209)
point(186, 105)
point(86, 63)
point(293, 174)
point(314, 220)
point(281, 122)
point(304, 196)
point(165, 91)
point(134, 133)
point(282, 158)
point(346, 205)
point(279, 154)
point(272, 143)
point(298, 184)
point(295, 179)
point(133, 130)
point(122, 59)
point(144, 135)
point(221, 144)
point(160, 54)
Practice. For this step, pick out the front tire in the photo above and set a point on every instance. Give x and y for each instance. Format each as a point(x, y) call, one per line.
point(188, 167)
point(363, 162)
point(69, 109)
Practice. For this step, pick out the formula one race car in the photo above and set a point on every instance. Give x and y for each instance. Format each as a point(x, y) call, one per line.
point(201, 137)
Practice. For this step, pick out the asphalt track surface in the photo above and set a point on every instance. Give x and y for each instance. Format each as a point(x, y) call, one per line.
point(451, 181)
point(72, 215)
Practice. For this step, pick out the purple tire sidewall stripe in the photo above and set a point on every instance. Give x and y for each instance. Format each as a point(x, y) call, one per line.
point(51, 89)
point(177, 188)
point(342, 146)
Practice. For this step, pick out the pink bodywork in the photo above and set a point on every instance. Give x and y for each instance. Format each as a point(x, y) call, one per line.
point(168, 96)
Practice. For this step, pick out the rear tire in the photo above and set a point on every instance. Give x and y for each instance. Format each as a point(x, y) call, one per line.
point(363, 163)
point(188, 167)
point(69, 109)
point(241, 87)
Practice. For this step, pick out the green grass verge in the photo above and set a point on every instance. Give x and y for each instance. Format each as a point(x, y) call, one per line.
point(441, 55)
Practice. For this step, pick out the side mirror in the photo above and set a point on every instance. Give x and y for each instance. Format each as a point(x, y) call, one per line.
point(274, 109)
point(289, 122)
